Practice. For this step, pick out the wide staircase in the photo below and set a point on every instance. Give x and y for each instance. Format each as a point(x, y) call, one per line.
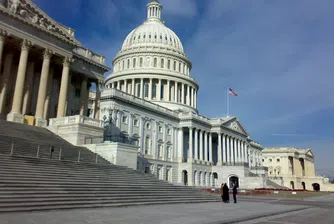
point(32, 183)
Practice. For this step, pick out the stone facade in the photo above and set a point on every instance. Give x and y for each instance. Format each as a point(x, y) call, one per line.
point(293, 168)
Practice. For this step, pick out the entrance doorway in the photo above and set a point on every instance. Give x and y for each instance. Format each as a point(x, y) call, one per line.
point(234, 180)
point(185, 177)
point(316, 187)
point(303, 184)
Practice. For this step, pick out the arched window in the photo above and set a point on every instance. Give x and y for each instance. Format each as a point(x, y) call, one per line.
point(134, 63)
point(168, 64)
point(146, 89)
point(174, 68)
point(155, 62)
point(141, 62)
point(179, 66)
point(162, 63)
point(123, 65)
point(128, 63)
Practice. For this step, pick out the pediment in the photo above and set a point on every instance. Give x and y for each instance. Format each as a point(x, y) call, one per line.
point(32, 14)
point(310, 153)
point(235, 125)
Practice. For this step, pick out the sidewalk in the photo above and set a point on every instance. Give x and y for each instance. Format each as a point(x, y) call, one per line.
point(165, 214)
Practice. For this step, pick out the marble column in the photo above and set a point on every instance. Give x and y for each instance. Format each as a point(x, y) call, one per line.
point(196, 144)
point(15, 114)
point(98, 99)
point(158, 90)
point(83, 94)
point(228, 155)
point(210, 147)
point(192, 97)
point(219, 149)
point(3, 36)
point(7, 71)
point(224, 149)
point(125, 89)
point(180, 145)
point(201, 145)
point(175, 92)
point(64, 86)
point(182, 93)
point(28, 88)
point(188, 95)
point(242, 152)
point(47, 102)
point(119, 84)
point(190, 151)
point(40, 120)
point(206, 146)
point(133, 87)
point(239, 151)
point(232, 150)
point(150, 89)
point(142, 88)
point(168, 97)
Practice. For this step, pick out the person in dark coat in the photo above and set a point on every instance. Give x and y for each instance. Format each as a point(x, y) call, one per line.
point(235, 192)
point(226, 196)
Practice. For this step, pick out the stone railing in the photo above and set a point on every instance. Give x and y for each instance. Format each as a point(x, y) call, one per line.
point(77, 119)
point(191, 115)
point(90, 55)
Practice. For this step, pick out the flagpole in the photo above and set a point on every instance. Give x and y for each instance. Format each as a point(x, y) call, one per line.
point(228, 102)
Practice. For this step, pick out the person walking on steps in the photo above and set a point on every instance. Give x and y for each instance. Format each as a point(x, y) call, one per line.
point(235, 192)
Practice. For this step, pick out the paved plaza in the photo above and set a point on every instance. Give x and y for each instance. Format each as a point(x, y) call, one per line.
point(249, 210)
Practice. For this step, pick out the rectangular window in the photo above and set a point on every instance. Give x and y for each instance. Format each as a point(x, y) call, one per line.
point(160, 129)
point(174, 68)
point(169, 131)
point(134, 63)
point(141, 62)
point(270, 160)
point(278, 160)
point(77, 92)
point(125, 119)
point(138, 90)
point(146, 89)
point(136, 122)
point(154, 91)
point(155, 62)
point(168, 64)
point(128, 63)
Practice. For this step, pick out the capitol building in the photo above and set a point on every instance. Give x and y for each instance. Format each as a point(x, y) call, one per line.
point(143, 115)
point(151, 98)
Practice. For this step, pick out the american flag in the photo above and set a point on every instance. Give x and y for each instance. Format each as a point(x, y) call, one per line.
point(230, 91)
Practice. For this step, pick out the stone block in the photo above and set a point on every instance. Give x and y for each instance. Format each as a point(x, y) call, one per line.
point(15, 117)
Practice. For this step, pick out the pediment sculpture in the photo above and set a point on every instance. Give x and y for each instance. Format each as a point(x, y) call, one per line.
point(28, 11)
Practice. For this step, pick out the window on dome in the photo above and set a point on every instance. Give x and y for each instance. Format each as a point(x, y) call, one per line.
point(150, 36)
point(185, 69)
point(134, 38)
point(155, 62)
point(166, 38)
point(160, 37)
point(146, 89)
point(128, 63)
point(138, 37)
point(134, 63)
point(162, 92)
point(144, 36)
point(138, 90)
point(154, 90)
point(122, 65)
point(174, 66)
point(141, 62)
point(168, 64)
point(155, 36)
point(179, 66)
point(162, 63)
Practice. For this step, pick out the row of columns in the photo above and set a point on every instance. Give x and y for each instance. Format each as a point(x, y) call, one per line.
point(203, 179)
point(24, 79)
point(176, 91)
point(230, 150)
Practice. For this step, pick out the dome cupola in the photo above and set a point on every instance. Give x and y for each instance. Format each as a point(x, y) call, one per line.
point(152, 65)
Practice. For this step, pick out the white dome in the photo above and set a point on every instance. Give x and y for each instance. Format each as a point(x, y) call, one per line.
point(153, 33)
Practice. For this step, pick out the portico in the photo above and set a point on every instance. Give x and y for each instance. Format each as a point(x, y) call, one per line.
point(45, 72)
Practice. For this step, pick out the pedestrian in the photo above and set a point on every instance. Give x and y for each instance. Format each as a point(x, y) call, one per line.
point(235, 192)
point(226, 193)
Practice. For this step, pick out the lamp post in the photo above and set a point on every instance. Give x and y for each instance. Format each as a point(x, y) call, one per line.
point(109, 120)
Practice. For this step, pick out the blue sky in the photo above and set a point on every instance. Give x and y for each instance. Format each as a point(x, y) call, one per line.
point(277, 55)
